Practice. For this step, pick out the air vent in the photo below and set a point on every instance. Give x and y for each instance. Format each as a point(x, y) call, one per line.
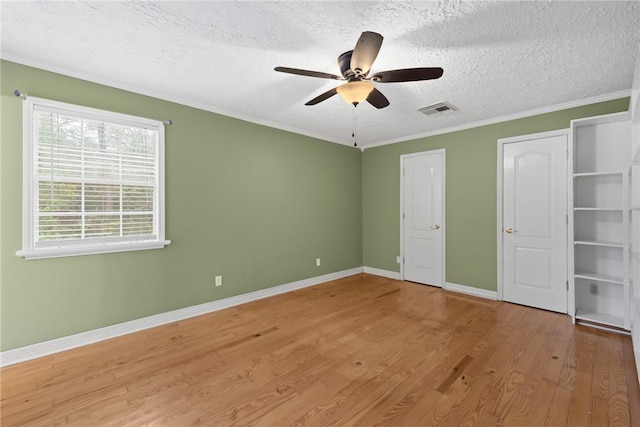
point(440, 109)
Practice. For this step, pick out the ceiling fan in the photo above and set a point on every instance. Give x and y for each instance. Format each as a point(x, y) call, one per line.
point(355, 65)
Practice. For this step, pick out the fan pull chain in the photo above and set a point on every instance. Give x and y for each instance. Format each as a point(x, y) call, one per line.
point(353, 133)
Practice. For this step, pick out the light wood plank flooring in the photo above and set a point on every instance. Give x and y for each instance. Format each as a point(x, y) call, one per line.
point(363, 350)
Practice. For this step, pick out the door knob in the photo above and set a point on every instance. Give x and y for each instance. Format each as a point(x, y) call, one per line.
point(508, 230)
point(435, 227)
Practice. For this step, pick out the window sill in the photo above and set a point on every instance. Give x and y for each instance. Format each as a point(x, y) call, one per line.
point(58, 252)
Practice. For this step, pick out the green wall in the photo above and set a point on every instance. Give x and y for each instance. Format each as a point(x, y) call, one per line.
point(251, 203)
point(471, 173)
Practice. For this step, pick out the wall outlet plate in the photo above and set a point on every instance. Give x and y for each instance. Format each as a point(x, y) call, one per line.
point(218, 280)
point(317, 262)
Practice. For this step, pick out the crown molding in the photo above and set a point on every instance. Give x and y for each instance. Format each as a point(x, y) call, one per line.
point(159, 95)
point(508, 117)
point(217, 110)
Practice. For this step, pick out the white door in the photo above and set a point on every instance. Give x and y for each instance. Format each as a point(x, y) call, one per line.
point(534, 228)
point(423, 217)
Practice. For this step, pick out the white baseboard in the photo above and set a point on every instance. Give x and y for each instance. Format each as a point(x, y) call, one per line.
point(470, 290)
point(22, 354)
point(454, 287)
point(380, 272)
point(635, 336)
point(637, 357)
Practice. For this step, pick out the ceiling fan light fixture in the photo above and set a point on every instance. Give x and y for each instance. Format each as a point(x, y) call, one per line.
point(355, 66)
point(355, 92)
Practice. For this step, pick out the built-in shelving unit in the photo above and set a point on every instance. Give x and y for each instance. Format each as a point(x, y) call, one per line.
point(634, 174)
point(600, 224)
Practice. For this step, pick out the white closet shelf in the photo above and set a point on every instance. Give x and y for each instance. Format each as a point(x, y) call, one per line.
point(578, 175)
point(601, 318)
point(599, 243)
point(597, 209)
point(599, 277)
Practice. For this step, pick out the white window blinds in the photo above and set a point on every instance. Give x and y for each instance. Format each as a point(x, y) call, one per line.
point(95, 179)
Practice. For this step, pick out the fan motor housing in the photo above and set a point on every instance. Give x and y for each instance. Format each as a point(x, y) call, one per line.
point(344, 62)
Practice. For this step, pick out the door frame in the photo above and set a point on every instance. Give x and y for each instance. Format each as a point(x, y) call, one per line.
point(500, 196)
point(443, 226)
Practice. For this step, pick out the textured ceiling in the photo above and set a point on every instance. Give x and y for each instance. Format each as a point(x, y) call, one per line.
point(500, 58)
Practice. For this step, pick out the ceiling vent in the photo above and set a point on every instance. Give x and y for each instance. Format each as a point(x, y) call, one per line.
point(439, 109)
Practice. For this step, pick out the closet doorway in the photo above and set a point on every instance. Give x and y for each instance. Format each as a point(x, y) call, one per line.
point(422, 217)
point(532, 220)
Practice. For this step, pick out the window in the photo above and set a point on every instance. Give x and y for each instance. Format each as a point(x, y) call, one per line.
point(93, 181)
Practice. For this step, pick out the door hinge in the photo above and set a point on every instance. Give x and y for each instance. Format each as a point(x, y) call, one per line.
point(402, 215)
point(567, 216)
point(403, 260)
point(567, 285)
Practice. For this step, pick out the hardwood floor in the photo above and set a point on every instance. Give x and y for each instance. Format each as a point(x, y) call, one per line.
point(364, 350)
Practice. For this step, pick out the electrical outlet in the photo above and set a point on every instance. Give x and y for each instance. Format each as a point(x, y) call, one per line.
point(317, 262)
point(218, 280)
point(594, 289)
